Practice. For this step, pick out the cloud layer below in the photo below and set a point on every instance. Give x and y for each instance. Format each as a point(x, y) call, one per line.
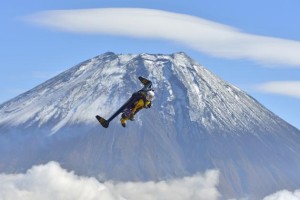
point(287, 88)
point(203, 35)
point(50, 181)
point(284, 195)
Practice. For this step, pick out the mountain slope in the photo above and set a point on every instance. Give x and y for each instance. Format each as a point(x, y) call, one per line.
point(197, 122)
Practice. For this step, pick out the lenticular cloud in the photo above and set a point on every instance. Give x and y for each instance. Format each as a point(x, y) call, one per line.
point(50, 182)
point(200, 34)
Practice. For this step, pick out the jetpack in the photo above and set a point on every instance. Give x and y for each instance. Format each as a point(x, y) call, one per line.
point(147, 87)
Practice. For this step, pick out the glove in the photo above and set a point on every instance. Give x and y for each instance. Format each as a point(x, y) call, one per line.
point(149, 105)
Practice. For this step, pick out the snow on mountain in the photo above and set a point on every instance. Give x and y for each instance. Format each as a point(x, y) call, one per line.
point(197, 122)
point(78, 94)
point(70, 97)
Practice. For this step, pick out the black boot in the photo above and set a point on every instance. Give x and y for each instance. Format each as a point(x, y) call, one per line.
point(131, 118)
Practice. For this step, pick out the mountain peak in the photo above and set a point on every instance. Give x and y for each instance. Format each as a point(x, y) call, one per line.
point(78, 94)
point(197, 122)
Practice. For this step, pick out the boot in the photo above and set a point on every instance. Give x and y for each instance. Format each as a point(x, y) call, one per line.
point(123, 122)
point(131, 117)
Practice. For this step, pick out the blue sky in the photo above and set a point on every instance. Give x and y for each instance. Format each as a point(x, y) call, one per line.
point(254, 45)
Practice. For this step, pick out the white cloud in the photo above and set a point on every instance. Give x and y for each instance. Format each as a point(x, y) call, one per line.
point(50, 181)
point(197, 33)
point(287, 88)
point(284, 195)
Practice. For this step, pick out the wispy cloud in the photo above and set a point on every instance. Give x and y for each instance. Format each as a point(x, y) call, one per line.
point(197, 33)
point(50, 181)
point(287, 88)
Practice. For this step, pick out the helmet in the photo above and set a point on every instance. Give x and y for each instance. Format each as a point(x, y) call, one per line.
point(150, 95)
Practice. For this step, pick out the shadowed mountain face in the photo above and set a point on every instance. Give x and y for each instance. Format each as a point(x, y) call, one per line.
point(197, 122)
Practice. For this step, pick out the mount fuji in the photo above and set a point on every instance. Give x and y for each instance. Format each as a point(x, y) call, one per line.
point(197, 122)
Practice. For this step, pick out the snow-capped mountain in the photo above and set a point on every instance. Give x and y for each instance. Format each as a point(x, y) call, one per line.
point(197, 122)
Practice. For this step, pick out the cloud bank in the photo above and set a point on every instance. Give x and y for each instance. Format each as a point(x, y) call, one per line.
point(50, 182)
point(287, 88)
point(202, 35)
point(284, 195)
